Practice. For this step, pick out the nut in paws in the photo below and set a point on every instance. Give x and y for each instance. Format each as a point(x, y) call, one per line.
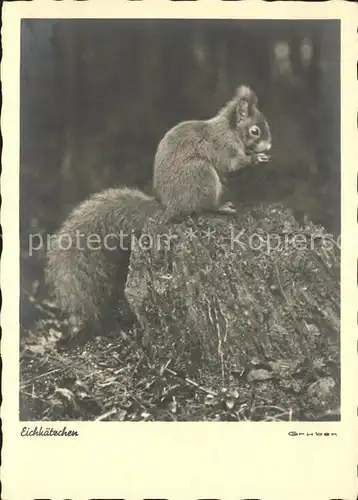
point(261, 158)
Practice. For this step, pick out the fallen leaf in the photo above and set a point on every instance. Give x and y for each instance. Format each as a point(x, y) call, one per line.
point(256, 375)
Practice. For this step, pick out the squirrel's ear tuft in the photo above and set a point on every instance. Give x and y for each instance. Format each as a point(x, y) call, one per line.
point(241, 106)
point(244, 92)
point(246, 100)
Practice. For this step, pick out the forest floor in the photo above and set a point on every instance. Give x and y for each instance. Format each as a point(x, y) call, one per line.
point(112, 379)
point(266, 330)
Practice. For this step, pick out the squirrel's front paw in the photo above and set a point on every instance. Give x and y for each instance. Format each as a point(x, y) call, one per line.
point(260, 158)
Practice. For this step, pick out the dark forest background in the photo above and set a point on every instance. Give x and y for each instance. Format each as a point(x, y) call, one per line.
point(98, 95)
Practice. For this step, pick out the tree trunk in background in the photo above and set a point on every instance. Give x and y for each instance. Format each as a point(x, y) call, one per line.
point(176, 66)
point(327, 93)
point(70, 77)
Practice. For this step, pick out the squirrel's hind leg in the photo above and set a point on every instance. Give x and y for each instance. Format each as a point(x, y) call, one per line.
point(227, 208)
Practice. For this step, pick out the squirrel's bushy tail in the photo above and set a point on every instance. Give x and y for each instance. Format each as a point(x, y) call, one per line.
point(88, 258)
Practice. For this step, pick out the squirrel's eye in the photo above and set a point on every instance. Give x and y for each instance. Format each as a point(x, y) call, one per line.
point(254, 131)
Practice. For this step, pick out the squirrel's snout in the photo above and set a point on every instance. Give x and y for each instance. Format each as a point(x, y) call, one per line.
point(262, 147)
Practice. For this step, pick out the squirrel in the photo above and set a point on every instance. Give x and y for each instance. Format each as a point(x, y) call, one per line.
point(190, 164)
point(194, 157)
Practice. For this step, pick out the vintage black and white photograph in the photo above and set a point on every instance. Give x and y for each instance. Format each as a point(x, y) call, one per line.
point(180, 220)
